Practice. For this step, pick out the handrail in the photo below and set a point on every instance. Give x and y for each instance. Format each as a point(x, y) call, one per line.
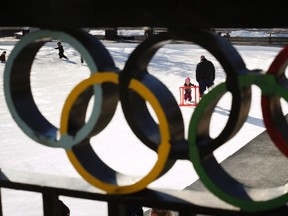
point(186, 202)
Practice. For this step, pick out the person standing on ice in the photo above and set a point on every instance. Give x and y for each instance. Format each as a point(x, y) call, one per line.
point(205, 74)
point(61, 51)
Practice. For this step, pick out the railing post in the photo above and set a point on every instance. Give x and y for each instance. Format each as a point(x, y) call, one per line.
point(116, 209)
point(52, 206)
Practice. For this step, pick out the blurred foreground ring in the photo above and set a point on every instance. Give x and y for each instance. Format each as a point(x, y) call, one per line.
point(135, 108)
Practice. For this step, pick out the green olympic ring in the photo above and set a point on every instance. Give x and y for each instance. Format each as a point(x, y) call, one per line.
point(212, 175)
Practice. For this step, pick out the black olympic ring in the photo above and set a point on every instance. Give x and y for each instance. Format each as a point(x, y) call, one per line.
point(136, 87)
point(134, 107)
point(136, 67)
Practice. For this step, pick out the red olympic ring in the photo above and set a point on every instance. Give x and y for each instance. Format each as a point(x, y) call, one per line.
point(273, 116)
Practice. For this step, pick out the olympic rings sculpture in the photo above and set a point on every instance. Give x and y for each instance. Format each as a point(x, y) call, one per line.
point(133, 87)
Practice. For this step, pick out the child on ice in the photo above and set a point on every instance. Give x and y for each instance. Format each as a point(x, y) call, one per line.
point(187, 91)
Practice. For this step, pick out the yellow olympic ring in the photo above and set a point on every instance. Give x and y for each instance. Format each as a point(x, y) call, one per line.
point(96, 177)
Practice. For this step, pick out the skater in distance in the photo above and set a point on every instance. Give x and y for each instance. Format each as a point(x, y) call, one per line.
point(61, 51)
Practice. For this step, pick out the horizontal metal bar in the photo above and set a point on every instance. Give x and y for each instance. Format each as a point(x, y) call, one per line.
point(194, 202)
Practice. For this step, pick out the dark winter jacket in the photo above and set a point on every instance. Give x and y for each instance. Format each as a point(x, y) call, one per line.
point(61, 49)
point(205, 70)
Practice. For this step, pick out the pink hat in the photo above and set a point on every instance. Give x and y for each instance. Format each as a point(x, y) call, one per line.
point(187, 79)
